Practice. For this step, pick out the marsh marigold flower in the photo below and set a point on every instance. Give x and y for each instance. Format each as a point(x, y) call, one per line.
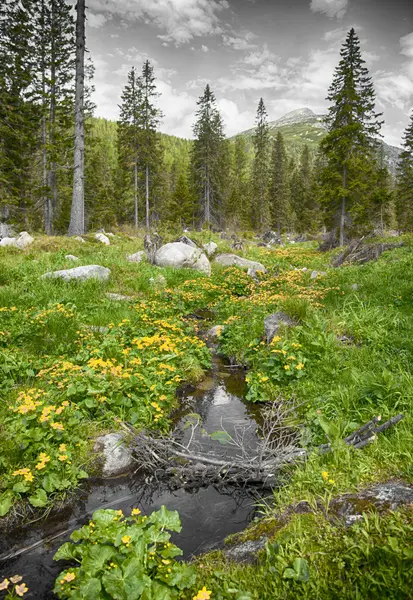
point(21, 589)
point(203, 594)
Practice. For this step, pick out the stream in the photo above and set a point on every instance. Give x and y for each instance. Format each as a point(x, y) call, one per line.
point(207, 514)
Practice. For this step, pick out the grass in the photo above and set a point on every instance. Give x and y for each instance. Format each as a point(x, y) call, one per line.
point(45, 325)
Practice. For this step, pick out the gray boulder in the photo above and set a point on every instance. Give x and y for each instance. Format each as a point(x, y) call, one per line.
point(101, 237)
point(210, 248)
point(229, 260)
point(180, 256)
point(79, 239)
point(137, 257)
point(118, 297)
point(71, 257)
point(24, 239)
point(117, 458)
point(215, 332)
point(315, 274)
point(271, 237)
point(273, 323)
point(186, 240)
point(8, 241)
point(80, 273)
point(6, 231)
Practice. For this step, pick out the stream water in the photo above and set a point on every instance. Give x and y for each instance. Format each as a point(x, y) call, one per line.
point(207, 515)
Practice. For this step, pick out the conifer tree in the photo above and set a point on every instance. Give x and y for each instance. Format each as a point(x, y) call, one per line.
point(260, 168)
point(206, 155)
point(279, 186)
point(302, 194)
point(150, 150)
point(405, 181)
point(382, 198)
point(349, 144)
point(238, 209)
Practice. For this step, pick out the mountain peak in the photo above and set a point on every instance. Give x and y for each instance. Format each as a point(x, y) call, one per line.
point(299, 115)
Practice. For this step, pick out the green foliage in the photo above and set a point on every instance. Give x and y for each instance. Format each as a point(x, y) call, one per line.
point(124, 557)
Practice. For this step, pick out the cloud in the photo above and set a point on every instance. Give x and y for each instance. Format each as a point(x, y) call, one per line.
point(181, 20)
point(332, 8)
point(259, 57)
point(241, 41)
point(234, 120)
point(204, 48)
point(339, 34)
point(396, 88)
point(96, 20)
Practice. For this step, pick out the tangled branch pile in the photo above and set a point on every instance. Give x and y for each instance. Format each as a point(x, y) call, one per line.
point(359, 252)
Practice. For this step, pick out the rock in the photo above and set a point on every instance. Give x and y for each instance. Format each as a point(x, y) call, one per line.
point(315, 274)
point(79, 239)
point(71, 257)
point(355, 287)
point(8, 241)
point(101, 237)
point(300, 238)
point(381, 497)
point(158, 282)
point(271, 237)
point(6, 231)
point(97, 329)
point(274, 322)
point(152, 242)
point(112, 235)
point(137, 257)
point(253, 274)
point(215, 332)
point(117, 458)
point(80, 273)
point(210, 248)
point(186, 240)
point(118, 297)
point(24, 239)
point(246, 551)
point(229, 260)
point(179, 256)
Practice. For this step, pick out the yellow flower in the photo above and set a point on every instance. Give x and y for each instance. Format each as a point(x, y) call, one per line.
point(166, 562)
point(287, 367)
point(62, 448)
point(58, 426)
point(120, 513)
point(324, 475)
point(63, 457)
point(264, 379)
point(4, 584)
point(40, 465)
point(331, 481)
point(21, 589)
point(203, 594)
point(136, 512)
point(16, 578)
point(299, 366)
point(126, 539)
point(68, 577)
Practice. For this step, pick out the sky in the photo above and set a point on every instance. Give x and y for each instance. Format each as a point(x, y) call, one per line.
point(284, 51)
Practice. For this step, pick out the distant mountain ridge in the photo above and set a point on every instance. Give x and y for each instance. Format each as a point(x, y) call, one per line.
point(303, 126)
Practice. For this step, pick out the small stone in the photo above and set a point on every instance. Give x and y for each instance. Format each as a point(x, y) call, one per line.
point(215, 332)
point(79, 239)
point(101, 237)
point(118, 297)
point(97, 329)
point(8, 241)
point(274, 322)
point(210, 248)
point(137, 257)
point(230, 260)
point(117, 458)
point(355, 287)
point(71, 257)
point(315, 274)
point(24, 239)
point(112, 235)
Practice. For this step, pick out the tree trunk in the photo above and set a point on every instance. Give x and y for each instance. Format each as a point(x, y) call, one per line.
point(135, 196)
point(52, 177)
point(343, 208)
point(147, 195)
point(46, 196)
point(77, 215)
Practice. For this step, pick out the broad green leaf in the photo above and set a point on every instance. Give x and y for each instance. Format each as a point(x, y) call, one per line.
point(301, 568)
point(96, 558)
point(104, 516)
point(167, 519)
point(122, 587)
point(162, 592)
point(221, 436)
point(90, 590)
point(6, 502)
point(39, 499)
point(81, 534)
point(21, 487)
point(51, 482)
point(331, 430)
point(66, 552)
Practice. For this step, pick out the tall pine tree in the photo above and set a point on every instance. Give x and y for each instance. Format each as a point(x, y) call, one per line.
point(348, 146)
point(279, 186)
point(207, 152)
point(260, 168)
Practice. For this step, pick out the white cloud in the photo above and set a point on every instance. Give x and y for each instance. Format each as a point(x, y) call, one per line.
point(181, 20)
point(204, 48)
point(332, 8)
point(339, 34)
point(234, 120)
point(396, 88)
point(96, 20)
point(259, 57)
point(241, 41)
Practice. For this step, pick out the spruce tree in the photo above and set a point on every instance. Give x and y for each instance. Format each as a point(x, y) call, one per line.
point(279, 186)
point(150, 150)
point(238, 209)
point(382, 197)
point(405, 181)
point(349, 144)
point(129, 133)
point(260, 168)
point(206, 155)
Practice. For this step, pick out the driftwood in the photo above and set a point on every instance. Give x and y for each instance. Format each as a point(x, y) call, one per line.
point(360, 253)
point(365, 434)
point(170, 457)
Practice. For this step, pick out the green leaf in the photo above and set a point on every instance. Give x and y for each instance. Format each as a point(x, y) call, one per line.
point(162, 592)
point(331, 430)
point(82, 475)
point(299, 572)
point(96, 557)
point(221, 436)
point(122, 587)
point(51, 482)
point(66, 552)
point(6, 502)
point(39, 499)
point(104, 516)
point(21, 487)
point(90, 590)
point(167, 519)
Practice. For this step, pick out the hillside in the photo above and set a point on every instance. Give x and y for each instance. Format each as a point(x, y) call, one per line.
point(303, 126)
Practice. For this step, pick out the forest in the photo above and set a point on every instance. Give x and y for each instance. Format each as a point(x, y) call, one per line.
point(206, 344)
